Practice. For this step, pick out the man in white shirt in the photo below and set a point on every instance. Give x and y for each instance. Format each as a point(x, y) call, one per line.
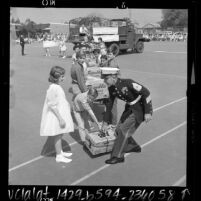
point(84, 31)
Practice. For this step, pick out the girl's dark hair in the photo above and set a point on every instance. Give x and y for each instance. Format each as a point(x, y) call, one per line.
point(55, 74)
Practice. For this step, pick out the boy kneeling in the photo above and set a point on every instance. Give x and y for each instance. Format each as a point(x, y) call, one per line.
point(82, 110)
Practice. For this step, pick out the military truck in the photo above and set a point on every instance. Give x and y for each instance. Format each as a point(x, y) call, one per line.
point(119, 35)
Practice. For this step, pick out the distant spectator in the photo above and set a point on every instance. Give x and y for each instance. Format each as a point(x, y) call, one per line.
point(76, 49)
point(108, 60)
point(22, 42)
point(101, 43)
point(97, 56)
point(63, 48)
point(84, 31)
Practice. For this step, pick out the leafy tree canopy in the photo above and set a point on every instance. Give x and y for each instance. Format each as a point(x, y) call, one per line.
point(174, 18)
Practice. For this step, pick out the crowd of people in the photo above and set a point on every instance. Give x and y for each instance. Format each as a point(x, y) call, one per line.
point(167, 36)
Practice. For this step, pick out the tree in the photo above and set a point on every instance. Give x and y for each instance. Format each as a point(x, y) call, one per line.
point(174, 18)
point(13, 20)
point(88, 20)
point(29, 27)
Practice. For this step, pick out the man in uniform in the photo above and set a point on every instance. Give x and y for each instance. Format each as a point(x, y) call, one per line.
point(22, 42)
point(138, 108)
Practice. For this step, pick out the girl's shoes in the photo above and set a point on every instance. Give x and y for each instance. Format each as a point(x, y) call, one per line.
point(66, 154)
point(61, 158)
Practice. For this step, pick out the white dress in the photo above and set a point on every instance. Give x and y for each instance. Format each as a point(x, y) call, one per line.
point(55, 97)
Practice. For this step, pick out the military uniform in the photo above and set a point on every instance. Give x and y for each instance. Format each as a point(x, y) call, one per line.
point(138, 103)
point(113, 115)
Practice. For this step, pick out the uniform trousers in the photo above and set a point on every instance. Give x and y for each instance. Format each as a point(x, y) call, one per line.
point(114, 113)
point(124, 131)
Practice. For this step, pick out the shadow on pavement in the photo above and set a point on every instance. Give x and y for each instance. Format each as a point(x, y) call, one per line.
point(75, 135)
point(85, 149)
point(48, 149)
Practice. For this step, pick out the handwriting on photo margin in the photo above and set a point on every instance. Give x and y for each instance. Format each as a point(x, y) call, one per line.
point(79, 194)
point(48, 2)
point(28, 194)
point(99, 194)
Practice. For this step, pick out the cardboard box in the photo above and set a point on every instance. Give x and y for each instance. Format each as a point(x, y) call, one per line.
point(94, 71)
point(100, 85)
point(98, 142)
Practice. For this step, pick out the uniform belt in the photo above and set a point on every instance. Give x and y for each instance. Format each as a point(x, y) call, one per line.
point(135, 101)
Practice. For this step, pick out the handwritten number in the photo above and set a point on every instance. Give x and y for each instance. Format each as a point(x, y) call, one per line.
point(171, 196)
point(132, 195)
point(123, 5)
point(78, 193)
point(162, 193)
point(63, 194)
point(71, 196)
point(151, 195)
point(117, 193)
point(100, 194)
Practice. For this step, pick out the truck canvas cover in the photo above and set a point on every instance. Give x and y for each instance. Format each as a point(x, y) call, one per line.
point(105, 30)
point(106, 38)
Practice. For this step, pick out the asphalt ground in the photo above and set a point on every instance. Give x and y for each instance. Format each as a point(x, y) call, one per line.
point(162, 68)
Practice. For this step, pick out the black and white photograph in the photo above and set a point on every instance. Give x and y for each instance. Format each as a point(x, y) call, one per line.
point(98, 96)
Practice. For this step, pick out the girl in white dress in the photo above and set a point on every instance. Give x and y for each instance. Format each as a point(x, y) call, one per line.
point(56, 116)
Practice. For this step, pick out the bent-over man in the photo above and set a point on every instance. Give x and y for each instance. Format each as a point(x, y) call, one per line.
point(138, 108)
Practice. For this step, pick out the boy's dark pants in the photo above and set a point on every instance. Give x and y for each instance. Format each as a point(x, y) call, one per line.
point(22, 49)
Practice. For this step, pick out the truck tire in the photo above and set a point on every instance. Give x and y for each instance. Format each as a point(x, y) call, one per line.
point(114, 47)
point(139, 47)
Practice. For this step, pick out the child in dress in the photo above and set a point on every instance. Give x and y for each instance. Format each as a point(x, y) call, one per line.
point(63, 48)
point(56, 116)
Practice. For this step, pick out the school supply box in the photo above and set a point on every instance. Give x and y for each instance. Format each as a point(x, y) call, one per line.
point(98, 142)
point(98, 84)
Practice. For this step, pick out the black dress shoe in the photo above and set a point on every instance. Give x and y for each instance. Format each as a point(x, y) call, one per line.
point(136, 149)
point(115, 160)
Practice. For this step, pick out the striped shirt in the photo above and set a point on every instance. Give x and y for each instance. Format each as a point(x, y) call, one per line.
point(80, 102)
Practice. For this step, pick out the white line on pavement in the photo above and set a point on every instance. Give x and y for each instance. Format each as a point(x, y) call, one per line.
point(35, 159)
point(180, 181)
point(149, 142)
point(73, 143)
point(178, 100)
point(171, 52)
point(159, 74)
